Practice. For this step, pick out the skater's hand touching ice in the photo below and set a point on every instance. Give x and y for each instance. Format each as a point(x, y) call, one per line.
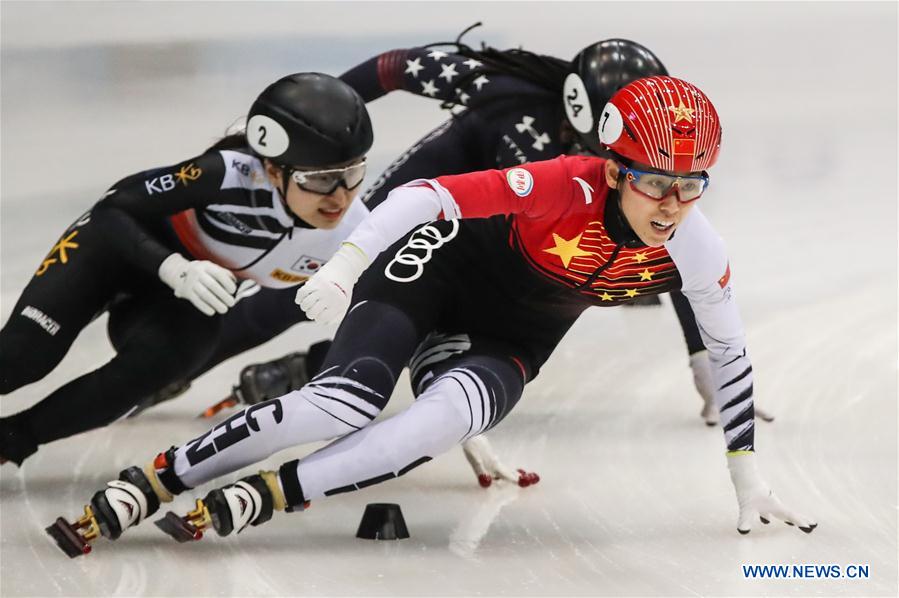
point(488, 467)
point(326, 296)
point(756, 500)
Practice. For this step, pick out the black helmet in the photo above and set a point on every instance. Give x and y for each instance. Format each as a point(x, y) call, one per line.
point(597, 72)
point(309, 119)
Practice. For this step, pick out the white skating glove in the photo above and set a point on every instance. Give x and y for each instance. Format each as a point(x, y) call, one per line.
point(702, 380)
point(755, 499)
point(326, 296)
point(487, 466)
point(208, 286)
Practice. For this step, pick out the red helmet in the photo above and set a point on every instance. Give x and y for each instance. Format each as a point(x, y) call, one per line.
point(664, 122)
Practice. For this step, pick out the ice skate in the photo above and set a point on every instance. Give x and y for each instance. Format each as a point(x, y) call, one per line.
point(263, 381)
point(172, 391)
point(123, 504)
point(233, 508)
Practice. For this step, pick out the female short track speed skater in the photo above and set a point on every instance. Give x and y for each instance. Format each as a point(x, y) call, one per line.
point(500, 294)
point(519, 107)
point(269, 207)
point(177, 257)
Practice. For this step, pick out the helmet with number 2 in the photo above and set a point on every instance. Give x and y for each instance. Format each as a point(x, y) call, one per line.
point(311, 120)
point(664, 122)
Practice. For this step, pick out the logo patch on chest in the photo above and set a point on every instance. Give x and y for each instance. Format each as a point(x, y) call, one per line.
point(279, 274)
point(307, 265)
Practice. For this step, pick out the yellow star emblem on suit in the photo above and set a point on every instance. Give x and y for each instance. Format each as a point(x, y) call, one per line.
point(640, 258)
point(646, 275)
point(605, 296)
point(631, 292)
point(567, 250)
point(682, 112)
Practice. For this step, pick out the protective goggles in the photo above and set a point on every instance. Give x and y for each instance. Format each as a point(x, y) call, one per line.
point(658, 186)
point(325, 182)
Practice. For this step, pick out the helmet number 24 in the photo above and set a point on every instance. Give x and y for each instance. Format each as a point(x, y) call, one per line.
point(575, 108)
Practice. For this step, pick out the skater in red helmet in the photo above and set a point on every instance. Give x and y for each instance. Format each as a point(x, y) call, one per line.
point(500, 263)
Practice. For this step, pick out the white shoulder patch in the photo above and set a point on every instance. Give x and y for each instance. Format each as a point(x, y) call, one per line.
point(243, 171)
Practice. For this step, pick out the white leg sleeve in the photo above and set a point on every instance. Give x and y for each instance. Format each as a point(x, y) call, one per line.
point(328, 407)
point(455, 407)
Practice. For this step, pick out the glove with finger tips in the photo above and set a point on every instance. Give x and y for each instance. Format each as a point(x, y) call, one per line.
point(488, 467)
point(208, 286)
point(326, 296)
point(755, 499)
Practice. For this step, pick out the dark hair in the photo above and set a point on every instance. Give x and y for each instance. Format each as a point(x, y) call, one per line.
point(547, 72)
point(232, 141)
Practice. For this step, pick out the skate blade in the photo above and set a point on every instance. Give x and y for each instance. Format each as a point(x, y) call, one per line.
point(225, 404)
point(178, 528)
point(70, 542)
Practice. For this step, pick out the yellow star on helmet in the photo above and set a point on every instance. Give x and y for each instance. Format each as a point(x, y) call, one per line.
point(682, 112)
point(646, 275)
point(567, 250)
point(631, 292)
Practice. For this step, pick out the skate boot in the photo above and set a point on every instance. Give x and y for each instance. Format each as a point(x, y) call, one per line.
point(172, 391)
point(123, 504)
point(250, 501)
point(263, 381)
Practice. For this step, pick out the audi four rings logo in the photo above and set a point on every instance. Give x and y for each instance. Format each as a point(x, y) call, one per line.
point(418, 250)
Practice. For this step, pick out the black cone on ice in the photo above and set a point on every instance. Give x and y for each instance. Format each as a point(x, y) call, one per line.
point(382, 521)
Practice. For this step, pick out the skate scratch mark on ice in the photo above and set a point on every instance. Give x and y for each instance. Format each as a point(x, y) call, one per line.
point(260, 583)
point(690, 590)
point(800, 368)
point(84, 459)
point(471, 530)
point(31, 537)
point(830, 484)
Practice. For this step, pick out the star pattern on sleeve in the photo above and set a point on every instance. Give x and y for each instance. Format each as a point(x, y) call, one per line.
point(448, 71)
point(413, 66)
point(472, 64)
point(463, 97)
point(480, 82)
point(437, 55)
point(428, 88)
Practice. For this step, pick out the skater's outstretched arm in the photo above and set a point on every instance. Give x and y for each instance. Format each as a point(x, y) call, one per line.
point(707, 282)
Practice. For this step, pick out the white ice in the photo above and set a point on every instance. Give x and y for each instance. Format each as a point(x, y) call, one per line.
point(635, 497)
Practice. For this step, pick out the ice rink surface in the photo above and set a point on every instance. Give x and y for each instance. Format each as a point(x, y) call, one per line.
point(635, 497)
